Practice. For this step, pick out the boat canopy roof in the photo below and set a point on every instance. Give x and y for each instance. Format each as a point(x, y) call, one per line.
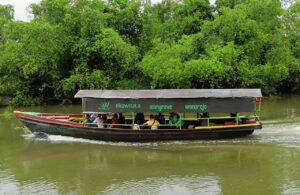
point(169, 93)
point(169, 100)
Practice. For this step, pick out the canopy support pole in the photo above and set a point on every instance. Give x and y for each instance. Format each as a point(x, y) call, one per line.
point(180, 118)
point(132, 123)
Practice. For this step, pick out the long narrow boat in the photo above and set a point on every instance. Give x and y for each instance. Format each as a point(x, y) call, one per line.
point(203, 113)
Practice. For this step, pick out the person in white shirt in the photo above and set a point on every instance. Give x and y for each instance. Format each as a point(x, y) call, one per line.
point(99, 121)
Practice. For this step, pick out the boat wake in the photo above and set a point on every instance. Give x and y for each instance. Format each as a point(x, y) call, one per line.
point(287, 135)
point(66, 139)
point(281, 129)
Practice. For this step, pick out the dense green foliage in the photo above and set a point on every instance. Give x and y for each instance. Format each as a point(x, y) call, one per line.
point(132, 44)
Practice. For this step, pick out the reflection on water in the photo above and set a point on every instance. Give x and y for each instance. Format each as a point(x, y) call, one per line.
point(265, 163)
point(168, 185)
point(10, 186)
point(281, 109)
point(290, 188)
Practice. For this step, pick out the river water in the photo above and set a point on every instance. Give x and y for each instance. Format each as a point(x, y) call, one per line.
point(267, 162)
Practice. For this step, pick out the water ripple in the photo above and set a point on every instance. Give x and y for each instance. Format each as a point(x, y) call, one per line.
point(8, 185)
point(170, 185)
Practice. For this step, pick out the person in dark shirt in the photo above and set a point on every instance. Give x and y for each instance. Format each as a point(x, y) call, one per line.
point(122, 119)
point(204, 121)
point(139, 118)
point(88, 120)
point(161, 119)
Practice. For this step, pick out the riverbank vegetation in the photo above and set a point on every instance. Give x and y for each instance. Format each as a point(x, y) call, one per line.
point(133, 44)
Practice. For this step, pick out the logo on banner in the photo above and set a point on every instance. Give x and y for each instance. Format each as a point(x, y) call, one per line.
point(200, 107)
point(161, 107)
point(104, 106)
point(128, 106)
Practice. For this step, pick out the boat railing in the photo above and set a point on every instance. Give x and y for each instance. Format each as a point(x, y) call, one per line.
point(189, 122)
point(224, 119)
point(128, 125)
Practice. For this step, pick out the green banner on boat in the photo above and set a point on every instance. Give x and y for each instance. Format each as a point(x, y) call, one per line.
point(229, 105)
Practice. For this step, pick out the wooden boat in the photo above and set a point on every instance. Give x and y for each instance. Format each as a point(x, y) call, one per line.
point(243, 104)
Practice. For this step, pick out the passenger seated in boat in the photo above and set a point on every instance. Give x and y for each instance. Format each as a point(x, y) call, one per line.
point(175, 119)
point(205, 115)
point(139, 119)
point(235, 117)
point(88, 121)
point(104, 117)
point(121, 119)
point(161, 119)
point(204, 121)
point(114, 121)
point(152, 122)
point(93, 117)
point(99, 121)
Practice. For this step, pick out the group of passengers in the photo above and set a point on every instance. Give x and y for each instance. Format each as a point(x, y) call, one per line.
point(100, 119)
point(174, 121)
point(156, 120)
